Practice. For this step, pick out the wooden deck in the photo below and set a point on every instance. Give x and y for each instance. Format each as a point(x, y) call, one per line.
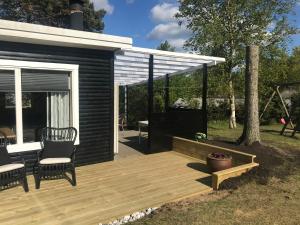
point(106, 191)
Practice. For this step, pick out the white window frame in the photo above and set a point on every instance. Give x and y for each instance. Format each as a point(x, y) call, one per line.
point(17, 66)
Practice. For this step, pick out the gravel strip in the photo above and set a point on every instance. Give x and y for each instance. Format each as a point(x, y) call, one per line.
point(133, 217)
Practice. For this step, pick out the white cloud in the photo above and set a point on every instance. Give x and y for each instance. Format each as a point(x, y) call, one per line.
point(167, 27)
point(271, 26)
point(177, 43)
point(103, 4)
point(164, 12)
point(168, 31)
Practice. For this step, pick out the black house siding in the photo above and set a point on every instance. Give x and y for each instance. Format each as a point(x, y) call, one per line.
point(95, 94)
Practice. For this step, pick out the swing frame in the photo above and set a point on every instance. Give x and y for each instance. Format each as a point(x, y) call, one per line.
point(276, 89)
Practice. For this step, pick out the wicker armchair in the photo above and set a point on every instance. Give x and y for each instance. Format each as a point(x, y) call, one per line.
point(57, 156)
point(11, 173)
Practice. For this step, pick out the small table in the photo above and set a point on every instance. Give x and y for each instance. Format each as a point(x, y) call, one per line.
point(140, 125)
point(7, 133)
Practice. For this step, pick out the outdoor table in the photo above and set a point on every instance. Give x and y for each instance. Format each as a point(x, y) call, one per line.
point(140, 125)
point(7, 133)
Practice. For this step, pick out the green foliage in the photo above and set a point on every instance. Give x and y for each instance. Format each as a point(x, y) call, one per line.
point(276, 66)
point(194, 103)
point(224, 28)
point(165, 46)
point(137, 104)
point(158, 95)
point(294, 63)
point(158, 103)
point(93, 20)
point(296, 109)
point(186, 87)
point(200, 137)
point(220, 112)
point(50, 12)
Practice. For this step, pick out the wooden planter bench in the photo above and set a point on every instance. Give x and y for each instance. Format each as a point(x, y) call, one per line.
point(242, 162)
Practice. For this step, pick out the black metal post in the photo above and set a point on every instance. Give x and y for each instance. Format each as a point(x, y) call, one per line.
point(204, 99)
point(126, 104)
point(150, 102)
point(167, 97)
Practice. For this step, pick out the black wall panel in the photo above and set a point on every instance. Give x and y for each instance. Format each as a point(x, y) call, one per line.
point(95, 94)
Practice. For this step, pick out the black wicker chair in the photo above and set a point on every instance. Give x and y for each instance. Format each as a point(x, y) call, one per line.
point(57, 156)
point(11, 173)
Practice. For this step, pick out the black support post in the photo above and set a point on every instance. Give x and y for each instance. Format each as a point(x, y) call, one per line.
point(150, 102)
point(126, 104)
point(167, 96)
point(204, 99)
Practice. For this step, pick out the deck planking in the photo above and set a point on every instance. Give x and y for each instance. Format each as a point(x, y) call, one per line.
point(105, 191)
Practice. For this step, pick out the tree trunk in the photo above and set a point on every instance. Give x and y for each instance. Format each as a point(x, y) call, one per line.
point(251, 122)
point(232, 119)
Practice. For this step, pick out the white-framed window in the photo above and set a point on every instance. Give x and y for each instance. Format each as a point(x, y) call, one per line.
point(34, 95)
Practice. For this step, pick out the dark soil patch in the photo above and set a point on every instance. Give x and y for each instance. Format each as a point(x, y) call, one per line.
point(271, 161)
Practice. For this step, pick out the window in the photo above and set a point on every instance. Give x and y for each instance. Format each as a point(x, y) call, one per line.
point(7, 105)
point(34, 95)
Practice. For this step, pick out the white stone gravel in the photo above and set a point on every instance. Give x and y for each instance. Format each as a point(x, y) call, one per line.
point(133, 217)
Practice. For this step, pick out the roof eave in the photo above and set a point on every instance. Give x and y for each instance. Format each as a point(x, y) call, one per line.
point(39, 34)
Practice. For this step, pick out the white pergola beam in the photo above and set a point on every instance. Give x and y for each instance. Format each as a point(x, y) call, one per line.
point(132, 64)
point(173, 54)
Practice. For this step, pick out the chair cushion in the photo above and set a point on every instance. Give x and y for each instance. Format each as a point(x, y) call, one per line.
point(4, 156)
point(48, 161)
point(58, 149)
point(10, 167)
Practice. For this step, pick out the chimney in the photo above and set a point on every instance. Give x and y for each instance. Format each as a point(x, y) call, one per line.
point(76, 14)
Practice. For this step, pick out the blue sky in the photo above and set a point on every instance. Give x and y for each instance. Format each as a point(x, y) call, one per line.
point(149, 22)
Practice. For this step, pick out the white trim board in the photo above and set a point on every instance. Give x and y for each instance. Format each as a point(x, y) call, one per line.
point(40, 34)
point(12, 64)
point(17, 66)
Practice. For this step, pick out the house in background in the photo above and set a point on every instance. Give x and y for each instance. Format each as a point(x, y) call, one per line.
point(67, 77)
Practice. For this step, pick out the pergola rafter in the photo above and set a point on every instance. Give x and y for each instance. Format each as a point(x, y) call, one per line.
point(132, 64)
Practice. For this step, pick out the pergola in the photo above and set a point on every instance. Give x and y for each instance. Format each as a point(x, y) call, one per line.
point(141, 65)
point(133, 65)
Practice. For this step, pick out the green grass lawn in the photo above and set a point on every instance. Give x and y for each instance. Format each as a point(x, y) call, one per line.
point(267, 195)
point(270, 134)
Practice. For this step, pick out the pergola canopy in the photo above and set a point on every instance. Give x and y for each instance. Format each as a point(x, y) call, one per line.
point(132, 64)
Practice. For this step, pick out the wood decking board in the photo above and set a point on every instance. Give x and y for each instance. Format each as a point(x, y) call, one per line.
point(105, 191)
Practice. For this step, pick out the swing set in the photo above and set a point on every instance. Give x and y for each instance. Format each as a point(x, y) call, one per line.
point(292, 117)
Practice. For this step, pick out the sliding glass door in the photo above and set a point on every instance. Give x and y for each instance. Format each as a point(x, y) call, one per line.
point(45, 101)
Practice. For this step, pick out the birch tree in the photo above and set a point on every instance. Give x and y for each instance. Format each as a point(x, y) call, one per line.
point(225, 27)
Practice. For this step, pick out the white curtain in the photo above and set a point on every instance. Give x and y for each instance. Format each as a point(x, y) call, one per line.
point(58, 110)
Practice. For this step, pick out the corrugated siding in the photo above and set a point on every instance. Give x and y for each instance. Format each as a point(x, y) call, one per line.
point(95, 93)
